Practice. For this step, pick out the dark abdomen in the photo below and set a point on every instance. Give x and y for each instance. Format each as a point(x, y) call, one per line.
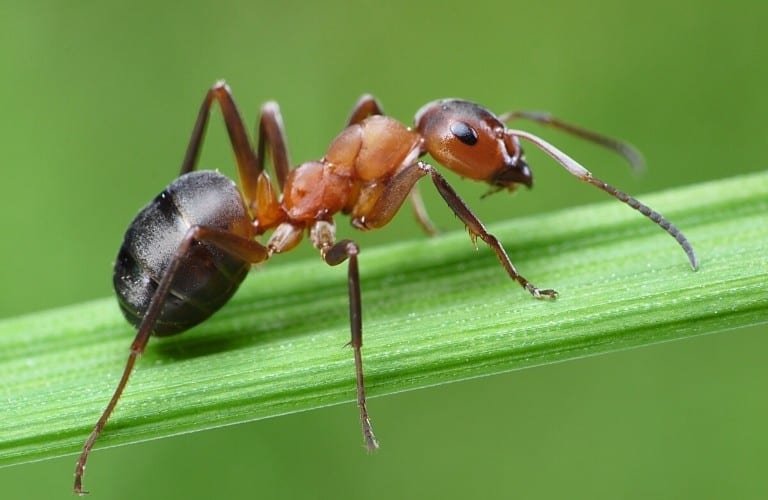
point(207, 277)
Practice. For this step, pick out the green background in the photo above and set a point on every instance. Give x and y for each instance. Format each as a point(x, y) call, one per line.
point(98, 99)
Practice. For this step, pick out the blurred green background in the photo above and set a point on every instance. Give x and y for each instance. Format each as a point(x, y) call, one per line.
point(98, 99)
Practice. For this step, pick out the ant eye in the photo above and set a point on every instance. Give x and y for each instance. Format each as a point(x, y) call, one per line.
point(464, 133)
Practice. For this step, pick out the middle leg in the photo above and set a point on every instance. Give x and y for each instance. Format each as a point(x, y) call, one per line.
point(323, 235)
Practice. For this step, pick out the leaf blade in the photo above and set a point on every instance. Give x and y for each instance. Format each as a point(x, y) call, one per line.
point(277, 347)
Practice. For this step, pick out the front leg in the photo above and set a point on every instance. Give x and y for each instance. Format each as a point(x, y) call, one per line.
point(323, 235)
point(394, 195)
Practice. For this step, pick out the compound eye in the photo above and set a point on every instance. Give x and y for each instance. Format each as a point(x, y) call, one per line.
point(464, 133)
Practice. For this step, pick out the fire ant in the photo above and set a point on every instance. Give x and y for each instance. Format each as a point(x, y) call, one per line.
point(187, 251)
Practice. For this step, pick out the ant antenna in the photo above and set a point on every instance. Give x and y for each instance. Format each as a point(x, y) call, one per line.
point(576, 169)
point(633, 156)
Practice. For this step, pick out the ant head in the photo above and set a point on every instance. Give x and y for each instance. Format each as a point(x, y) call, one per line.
point(473, 142)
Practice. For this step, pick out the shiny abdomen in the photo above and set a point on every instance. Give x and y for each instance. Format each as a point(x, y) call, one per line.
point(207, 276)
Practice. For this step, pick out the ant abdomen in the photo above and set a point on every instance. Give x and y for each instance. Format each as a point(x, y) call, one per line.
point(208, 276)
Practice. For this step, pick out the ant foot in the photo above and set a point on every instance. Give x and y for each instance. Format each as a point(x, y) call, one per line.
point(541, 294)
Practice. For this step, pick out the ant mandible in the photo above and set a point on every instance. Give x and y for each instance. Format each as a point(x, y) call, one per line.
point(186, 253)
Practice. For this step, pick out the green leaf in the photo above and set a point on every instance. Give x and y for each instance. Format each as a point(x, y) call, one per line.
point(435, 311)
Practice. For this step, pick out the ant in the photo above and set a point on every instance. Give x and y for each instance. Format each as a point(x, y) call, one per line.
point(187, 251)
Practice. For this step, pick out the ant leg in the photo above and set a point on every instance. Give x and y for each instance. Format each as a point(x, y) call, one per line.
point(477, 229)
point(272, 132)
point(248, 250)
point(248, 166)
point(366, 106)
point(264, 203)
point(323, 235)
point(420, 212)
point(256, 187)
point(392, 199)
point(628, 151)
